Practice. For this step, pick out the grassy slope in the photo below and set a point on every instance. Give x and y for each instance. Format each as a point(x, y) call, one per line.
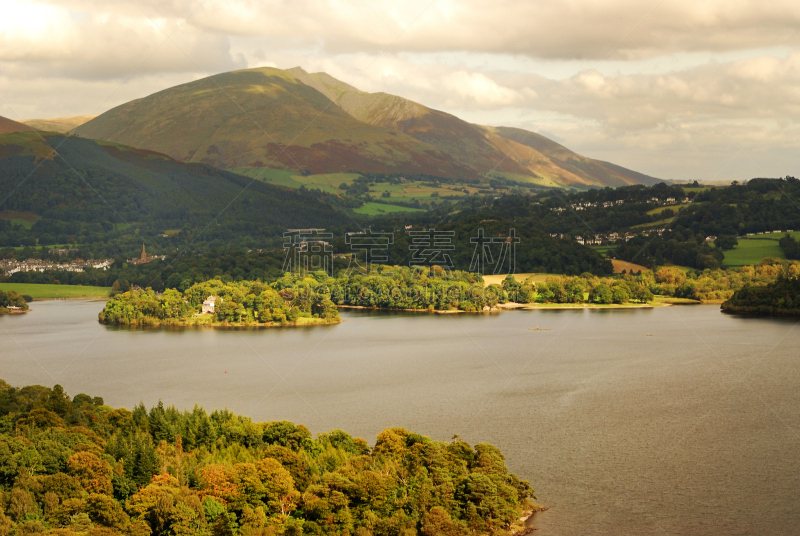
point(287, 120)
point(47, 292)
point(263, 118)
point(589, 170)
point(754, 249)
point(373, 209)
point(58, 124)
point(479, 147)
point(139, 184)
point(674, 208)
point(9, 125)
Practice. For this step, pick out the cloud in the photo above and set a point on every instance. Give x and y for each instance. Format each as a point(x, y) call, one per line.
point(741, 93)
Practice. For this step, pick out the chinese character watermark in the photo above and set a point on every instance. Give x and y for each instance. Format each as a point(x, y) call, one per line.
point(430, 248)
point(375, 246)
point(308, 250)
point(506, 261)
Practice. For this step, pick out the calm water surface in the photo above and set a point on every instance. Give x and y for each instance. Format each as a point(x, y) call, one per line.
point(676, 420)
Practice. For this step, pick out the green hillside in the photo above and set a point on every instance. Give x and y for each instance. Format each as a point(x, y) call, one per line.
point(81, 191)
point(591, 171)
point(314, 123)
point(263, 118)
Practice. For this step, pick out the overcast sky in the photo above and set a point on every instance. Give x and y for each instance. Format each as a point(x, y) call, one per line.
point(678, 89)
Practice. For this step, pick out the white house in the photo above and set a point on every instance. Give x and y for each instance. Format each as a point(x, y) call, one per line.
point(208, 305)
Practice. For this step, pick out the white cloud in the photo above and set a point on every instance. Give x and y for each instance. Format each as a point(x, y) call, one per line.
point(668, 88)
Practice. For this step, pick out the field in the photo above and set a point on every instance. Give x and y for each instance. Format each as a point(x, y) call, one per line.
point(754, 249)
point(372, 209)
point(492, 279)
point(49, 292)
point(674, 208)
point(329, 183)
point(659, 223)
point(25, 219)
point(619, 266)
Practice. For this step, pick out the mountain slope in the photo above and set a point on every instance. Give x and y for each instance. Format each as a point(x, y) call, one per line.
point(9, 125)
point(588, 169)
point(444, 131)
point(58, 124)
point(485, 149)
point(263, 118)
point(76, 186)
point(292, 119)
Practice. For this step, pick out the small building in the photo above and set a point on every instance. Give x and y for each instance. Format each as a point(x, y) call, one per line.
point(209, 304)
point(710, 239)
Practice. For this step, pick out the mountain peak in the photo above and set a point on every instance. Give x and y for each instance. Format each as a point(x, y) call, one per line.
point(293, 119)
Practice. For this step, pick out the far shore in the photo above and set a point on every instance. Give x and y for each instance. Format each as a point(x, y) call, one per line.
point(513, 306)
point(205, 321)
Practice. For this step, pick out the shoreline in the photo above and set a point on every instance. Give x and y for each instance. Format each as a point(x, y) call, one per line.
point(514, 306)
point(225, 325)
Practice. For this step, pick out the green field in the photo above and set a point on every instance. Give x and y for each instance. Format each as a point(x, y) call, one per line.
point(659, 223)
point(373, 209)
point(25, 219)
point(48, 292)
point(279, 177)
point(754, 249)
point(674, 208)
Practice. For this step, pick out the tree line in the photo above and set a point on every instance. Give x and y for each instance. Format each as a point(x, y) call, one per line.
point(77, 467)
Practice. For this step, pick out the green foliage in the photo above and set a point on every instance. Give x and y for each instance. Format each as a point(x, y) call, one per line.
point(12, 299)
point(781, 297)
point(601, 294)
point(791, 247)
point(193, 473)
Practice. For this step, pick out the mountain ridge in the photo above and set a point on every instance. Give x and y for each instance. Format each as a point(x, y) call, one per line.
point(8, 126)
point(315, 123)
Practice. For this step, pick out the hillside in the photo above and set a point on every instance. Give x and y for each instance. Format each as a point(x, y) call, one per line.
point(58, 124)
point(9, 125)
point(312, 122)
point(263, 118)
point(589, 170)
point(82, 191)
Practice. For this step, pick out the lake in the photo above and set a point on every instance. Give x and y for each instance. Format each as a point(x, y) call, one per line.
point(674, 420)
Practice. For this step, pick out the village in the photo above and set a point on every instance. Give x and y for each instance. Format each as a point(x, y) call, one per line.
point(608, 204)
point(12, 266)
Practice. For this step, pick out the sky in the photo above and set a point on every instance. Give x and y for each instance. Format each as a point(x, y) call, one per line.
point(677, 89)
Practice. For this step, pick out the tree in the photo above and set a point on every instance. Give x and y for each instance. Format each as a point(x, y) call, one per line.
point(93, 473)
point(619, 294)
point(726, 242)
point(601, 294)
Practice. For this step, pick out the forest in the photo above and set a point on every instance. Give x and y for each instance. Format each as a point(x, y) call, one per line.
point(781, 297)
point(237, 303)
point(77, 467)
point(314, 297)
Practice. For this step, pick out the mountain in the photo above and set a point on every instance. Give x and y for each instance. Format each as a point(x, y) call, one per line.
point(588, 169)
point(58, 124)
point(292, 119)
point(9, 125)
point(80, 190)
point(264, 118)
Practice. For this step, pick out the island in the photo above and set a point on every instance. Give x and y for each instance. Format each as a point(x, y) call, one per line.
point(216, 303)
point(75, 467)
point(314, 298)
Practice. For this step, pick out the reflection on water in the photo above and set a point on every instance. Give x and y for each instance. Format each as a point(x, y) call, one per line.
point(675, 420)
